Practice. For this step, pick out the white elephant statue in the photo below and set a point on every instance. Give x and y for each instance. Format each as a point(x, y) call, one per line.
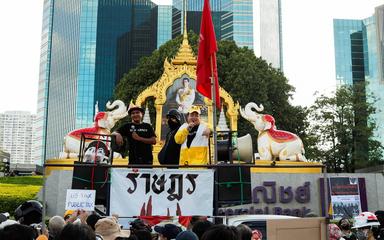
point(103, 123)
point(273, 143)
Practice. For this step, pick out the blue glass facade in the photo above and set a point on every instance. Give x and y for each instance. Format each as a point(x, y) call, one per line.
point(237, 22)
point(194, 11)
point(346, 34)
point(42, 99)
point(164, 24)
point(359, 57)
point(87, 46)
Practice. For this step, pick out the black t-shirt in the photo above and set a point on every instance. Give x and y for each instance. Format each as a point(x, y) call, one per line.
point(139, 152)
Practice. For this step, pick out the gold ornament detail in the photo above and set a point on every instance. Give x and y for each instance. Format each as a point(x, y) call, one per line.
point(184, 63)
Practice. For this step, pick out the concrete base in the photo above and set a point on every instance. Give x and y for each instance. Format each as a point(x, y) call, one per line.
point(57, 184)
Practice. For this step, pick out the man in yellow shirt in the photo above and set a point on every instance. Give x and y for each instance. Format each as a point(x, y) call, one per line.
point(193, 137)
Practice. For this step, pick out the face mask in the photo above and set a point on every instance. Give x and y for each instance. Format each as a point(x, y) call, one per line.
point(362, 234)
point(345, 227)
point(173, 125)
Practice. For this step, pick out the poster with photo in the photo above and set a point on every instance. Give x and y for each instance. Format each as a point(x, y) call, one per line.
point(345, 197)
point(181, 95)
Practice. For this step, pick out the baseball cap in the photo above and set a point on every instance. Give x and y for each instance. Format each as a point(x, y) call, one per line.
point(194, 108)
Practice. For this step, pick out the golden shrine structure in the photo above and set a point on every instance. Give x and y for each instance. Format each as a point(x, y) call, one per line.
point(164, 90)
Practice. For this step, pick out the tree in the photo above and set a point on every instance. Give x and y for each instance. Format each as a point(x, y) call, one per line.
point(341, 127)
point(246, 77)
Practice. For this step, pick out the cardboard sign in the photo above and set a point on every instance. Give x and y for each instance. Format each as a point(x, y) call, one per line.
point(78, 199)
point(161, 192)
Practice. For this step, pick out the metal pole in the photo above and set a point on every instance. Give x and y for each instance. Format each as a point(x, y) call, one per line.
point(43, 227)
point(326, 200)
point(213, 94)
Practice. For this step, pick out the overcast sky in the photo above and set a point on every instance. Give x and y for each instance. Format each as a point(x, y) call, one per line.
point(307, 47)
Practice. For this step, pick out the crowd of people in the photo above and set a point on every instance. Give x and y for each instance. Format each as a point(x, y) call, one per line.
point(82, 225)
point(365, 226)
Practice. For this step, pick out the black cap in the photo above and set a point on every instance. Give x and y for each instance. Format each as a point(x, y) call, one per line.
point(177, 115)
point(169, 231)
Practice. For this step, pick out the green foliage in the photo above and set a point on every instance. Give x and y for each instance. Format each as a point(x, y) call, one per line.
point(246, 77)
point(16, 190)
point(341, 127)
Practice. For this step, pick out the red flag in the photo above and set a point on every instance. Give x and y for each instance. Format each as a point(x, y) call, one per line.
point(206, 58)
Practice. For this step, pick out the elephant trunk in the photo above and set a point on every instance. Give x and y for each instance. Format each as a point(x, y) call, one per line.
point(248, 112)
point(120, 112)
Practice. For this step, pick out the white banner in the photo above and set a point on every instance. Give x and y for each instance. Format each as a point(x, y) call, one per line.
point(161, 192)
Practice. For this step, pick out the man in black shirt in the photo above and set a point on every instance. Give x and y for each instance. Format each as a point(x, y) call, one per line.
point(140, 137)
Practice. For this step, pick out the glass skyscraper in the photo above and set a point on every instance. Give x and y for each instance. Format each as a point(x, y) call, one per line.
point(359, 54)
point(194, 11)
point(232, 20)
point(87, 46)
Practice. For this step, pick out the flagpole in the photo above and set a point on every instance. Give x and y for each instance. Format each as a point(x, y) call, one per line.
point(213, 94)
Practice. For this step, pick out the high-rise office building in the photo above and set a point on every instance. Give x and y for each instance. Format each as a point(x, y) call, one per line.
point(163, 23)
point(87, 46)
point(359, 56)
point(194, 11)
point(232, 20)
point(268, 31)
point(237, 21)
point(17, 136)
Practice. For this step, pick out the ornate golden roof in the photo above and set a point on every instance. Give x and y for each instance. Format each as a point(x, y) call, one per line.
point(185, 54)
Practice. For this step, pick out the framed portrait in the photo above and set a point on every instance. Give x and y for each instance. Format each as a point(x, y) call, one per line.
point(181, 95)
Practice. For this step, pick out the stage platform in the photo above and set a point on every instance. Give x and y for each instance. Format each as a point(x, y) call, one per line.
point(261, 166)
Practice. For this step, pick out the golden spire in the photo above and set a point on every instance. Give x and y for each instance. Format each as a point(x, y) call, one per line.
point(185, 54)
point(185, 35)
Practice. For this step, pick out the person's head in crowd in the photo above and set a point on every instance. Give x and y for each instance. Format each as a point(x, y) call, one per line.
point(168, 231)
point(187, 235)
point(334, 231)
point(143, 234)
point(345, 226)
point(174, 119)
point(109, 229)
point(194, 115)
point(77, 232)
point(257, 235)
point(55, 225)
point(17, 232)
point(364, 224)
point(68, 214)
point(139, 224)
point(245, 233)
point(29, 212)
point(136, 113)
point(92, 220)
point(380, 217)
point(195, 219)
point(220, 232)
point(200, 227)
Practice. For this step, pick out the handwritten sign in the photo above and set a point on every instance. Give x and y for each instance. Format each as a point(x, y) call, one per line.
point(80, 199)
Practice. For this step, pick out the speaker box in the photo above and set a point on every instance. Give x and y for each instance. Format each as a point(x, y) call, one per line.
point(82, 179)
point(234, 184)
